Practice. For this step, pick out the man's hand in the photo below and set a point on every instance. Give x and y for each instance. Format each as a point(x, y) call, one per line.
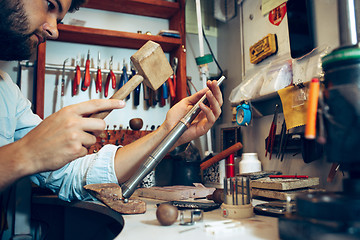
point(206, 118)
point(65, 135)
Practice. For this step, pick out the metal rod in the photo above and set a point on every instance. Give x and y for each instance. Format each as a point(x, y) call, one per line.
point(165, 145)
point(347, 23)
point(71, 68)
point(242, 191)
point(248, 190)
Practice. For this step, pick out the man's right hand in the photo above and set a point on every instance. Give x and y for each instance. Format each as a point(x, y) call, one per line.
point(65, 135)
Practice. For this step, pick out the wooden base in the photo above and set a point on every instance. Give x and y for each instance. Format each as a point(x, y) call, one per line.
point(111, 195)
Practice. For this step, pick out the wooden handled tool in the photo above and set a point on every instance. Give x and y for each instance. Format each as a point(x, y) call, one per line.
point(153, 69)
point(220, 156)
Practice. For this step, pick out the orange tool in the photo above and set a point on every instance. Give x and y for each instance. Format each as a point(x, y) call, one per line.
point(110, 76)
point(272, 133)
point(310, 128)
point(224, 154)
point(98, 82)
point(86, 82)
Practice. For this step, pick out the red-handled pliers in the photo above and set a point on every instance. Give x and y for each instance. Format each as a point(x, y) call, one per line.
point(272, 133)
point(86, 82)
point(110, 76)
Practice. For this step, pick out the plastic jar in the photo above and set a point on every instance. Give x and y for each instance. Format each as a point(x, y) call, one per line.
point(249, 163)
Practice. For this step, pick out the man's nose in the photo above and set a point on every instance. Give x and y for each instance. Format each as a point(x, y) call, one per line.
point(50, 28)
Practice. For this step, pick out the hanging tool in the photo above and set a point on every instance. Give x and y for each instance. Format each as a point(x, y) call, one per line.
point(110, 76)
point(172, 82)
point(162, 149)
point(138, 88)
point(86, 81)
point(63, 85)
point(272, 133)
point(77, 78)
point(282, 138)
point(310, 127)
point(98, 82)
point(124, 78)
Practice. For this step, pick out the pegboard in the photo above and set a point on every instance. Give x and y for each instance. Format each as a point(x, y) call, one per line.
point(117, 137)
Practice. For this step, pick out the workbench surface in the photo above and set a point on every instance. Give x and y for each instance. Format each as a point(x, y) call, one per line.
point(146, 226)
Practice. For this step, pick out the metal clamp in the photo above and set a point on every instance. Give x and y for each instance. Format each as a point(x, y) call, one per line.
point(196, 215)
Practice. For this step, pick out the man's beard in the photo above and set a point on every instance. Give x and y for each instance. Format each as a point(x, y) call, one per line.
point(14, 44)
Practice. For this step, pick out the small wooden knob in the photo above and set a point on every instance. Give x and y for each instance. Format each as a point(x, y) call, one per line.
point(136, 123)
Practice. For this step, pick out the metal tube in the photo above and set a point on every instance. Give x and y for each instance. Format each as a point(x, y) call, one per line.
point(347, 23)
point(159, 153)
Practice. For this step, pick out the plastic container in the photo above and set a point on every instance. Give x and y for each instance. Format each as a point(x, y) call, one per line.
point(249, 163)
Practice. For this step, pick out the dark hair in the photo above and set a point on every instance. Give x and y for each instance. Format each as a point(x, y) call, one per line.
point(75, 5)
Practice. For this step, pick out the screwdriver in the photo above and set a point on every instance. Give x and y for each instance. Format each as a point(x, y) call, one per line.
point(86, 82)
point(110, 76)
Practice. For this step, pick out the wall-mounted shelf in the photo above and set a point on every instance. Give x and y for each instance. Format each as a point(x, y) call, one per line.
point(150, 8)
point(95, 36)
point(173, 11)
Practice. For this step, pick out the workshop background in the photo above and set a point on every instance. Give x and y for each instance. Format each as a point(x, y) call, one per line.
point(229, 40)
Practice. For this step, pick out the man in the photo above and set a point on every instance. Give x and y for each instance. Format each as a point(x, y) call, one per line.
point(46, 149)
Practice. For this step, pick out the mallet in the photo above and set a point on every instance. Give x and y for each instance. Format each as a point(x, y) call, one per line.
point(153, 68)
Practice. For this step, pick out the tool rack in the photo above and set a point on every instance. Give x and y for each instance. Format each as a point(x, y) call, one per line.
point(173, 11)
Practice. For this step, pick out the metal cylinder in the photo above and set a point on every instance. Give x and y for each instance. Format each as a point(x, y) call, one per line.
point(347, 22)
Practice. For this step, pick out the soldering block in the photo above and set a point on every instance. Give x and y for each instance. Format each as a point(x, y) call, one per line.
point(263, 48)
point(151, 63)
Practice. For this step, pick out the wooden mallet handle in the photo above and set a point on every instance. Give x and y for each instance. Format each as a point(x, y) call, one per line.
point(121, 94)
point(220, 156)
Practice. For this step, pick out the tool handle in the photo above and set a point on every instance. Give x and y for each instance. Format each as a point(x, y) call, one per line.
point(121, 94)
point(227, 152)
point(86, 82)
point(310, 127)
point(77, 75)
point(99, 79)
point(106, 90)
point(171, 88)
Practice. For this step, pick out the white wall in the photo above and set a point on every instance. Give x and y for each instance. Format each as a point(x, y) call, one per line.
point(232, 55)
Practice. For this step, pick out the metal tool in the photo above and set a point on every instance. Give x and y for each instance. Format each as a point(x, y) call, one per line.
point(63, 84)
point(86, 81)
point(157, 155)
point(272, 133)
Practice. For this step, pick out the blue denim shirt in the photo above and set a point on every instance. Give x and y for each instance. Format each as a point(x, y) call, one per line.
point(17, 119)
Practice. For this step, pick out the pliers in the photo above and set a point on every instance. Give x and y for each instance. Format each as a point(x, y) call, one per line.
point(272, 133)
point(110, 76)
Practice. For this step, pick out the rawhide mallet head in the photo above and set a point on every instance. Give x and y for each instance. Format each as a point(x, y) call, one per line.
point(152, 67)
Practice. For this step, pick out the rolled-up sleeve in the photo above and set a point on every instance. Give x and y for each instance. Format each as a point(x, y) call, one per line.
point(68, 181)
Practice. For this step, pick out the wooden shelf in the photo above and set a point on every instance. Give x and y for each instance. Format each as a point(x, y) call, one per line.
point(150, 8)
point(173, 11)
point(76, 34)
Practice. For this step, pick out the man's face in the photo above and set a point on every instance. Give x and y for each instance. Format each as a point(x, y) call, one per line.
point(25, 24)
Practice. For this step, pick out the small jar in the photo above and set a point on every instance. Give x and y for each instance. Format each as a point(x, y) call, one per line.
point(249, 163)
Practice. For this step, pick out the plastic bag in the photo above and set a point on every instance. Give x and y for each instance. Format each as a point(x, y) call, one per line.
point(247, 89)
point(277, 76)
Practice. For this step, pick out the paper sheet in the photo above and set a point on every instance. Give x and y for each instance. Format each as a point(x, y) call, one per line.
point(268, 5)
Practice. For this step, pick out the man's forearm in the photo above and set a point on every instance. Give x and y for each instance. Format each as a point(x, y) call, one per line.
point(129, 158)
point(13, 165)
